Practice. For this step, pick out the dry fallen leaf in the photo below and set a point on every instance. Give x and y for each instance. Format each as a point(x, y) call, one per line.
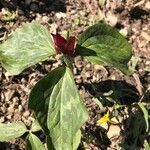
point(145, 36)
point(147, 5)
point(113, 131)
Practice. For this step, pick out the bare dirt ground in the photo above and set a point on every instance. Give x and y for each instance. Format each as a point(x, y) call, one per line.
point(129, 16)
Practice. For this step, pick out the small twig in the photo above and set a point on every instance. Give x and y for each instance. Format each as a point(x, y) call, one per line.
point(142, 97)
point(4, 37)
point(138, 84)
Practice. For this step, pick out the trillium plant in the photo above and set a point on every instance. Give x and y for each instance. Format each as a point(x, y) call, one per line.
point(55, 101)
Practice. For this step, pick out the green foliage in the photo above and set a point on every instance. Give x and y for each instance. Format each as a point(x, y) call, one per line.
point(55, 100)
point(76, 140)
point(39, 96)
point(102, 2)
point(136, 131)
point(49, 143)
point(58, 107)
point(26, 47)
point(102, 44)
point(34, 143)
point(146, 116)
point(136, 127)
point(11, 130)
point(146, 145)
point(35, 126)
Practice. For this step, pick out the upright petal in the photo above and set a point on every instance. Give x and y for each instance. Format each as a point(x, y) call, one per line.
point(60, 42)
point(70, 47)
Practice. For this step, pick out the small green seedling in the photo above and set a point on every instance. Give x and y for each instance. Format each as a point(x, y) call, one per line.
point(55, 99)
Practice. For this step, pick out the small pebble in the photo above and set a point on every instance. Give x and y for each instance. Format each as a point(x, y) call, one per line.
point(26, 113)
point(2, 119)
point(9, 116)
point(60, 15)
point(78, 61)
point(112, 19)
point(15, 99)
point(45, 19)
point(11, 109)
point(145, 35)
point(75, 71)
point(147, 5)
point(88, 66)
point(113, 77)
point(78, 64)
point(147, 63)
point(114, 130)
point(88, 74)
point(9, 95)
point(20, 108)
point(104, 125)
point(99, 67)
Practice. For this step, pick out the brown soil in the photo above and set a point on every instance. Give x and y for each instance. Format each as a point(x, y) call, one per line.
point(130, 16)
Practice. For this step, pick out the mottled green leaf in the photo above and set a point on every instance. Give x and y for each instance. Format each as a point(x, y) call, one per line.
point(35, 126)
point(76, 140)
point(49, 143)
point(34, 143)
point(26, 47)
point(102, 44)
point(11, 131)
point(146, 145)
point(59, 108)
point(66, 113)
point(102, 2)
point(39, 96)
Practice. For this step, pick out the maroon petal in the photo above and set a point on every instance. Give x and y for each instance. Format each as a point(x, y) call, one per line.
point(60, 42)
point(70, 47)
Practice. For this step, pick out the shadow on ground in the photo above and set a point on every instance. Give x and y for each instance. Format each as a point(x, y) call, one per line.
point(42, 6)
point(112, 91)
point(98, 135)
point(7, 145)
point(138, 13)
point(134, 133)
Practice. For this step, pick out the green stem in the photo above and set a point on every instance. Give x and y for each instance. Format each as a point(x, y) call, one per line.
point(68, 61)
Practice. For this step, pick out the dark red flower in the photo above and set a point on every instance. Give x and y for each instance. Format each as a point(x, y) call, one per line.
point(64, 46)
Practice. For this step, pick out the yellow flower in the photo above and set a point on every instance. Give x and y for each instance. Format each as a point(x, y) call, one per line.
point(104, 119)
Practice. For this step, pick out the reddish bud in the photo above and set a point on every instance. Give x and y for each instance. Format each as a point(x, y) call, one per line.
point(64, 46)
